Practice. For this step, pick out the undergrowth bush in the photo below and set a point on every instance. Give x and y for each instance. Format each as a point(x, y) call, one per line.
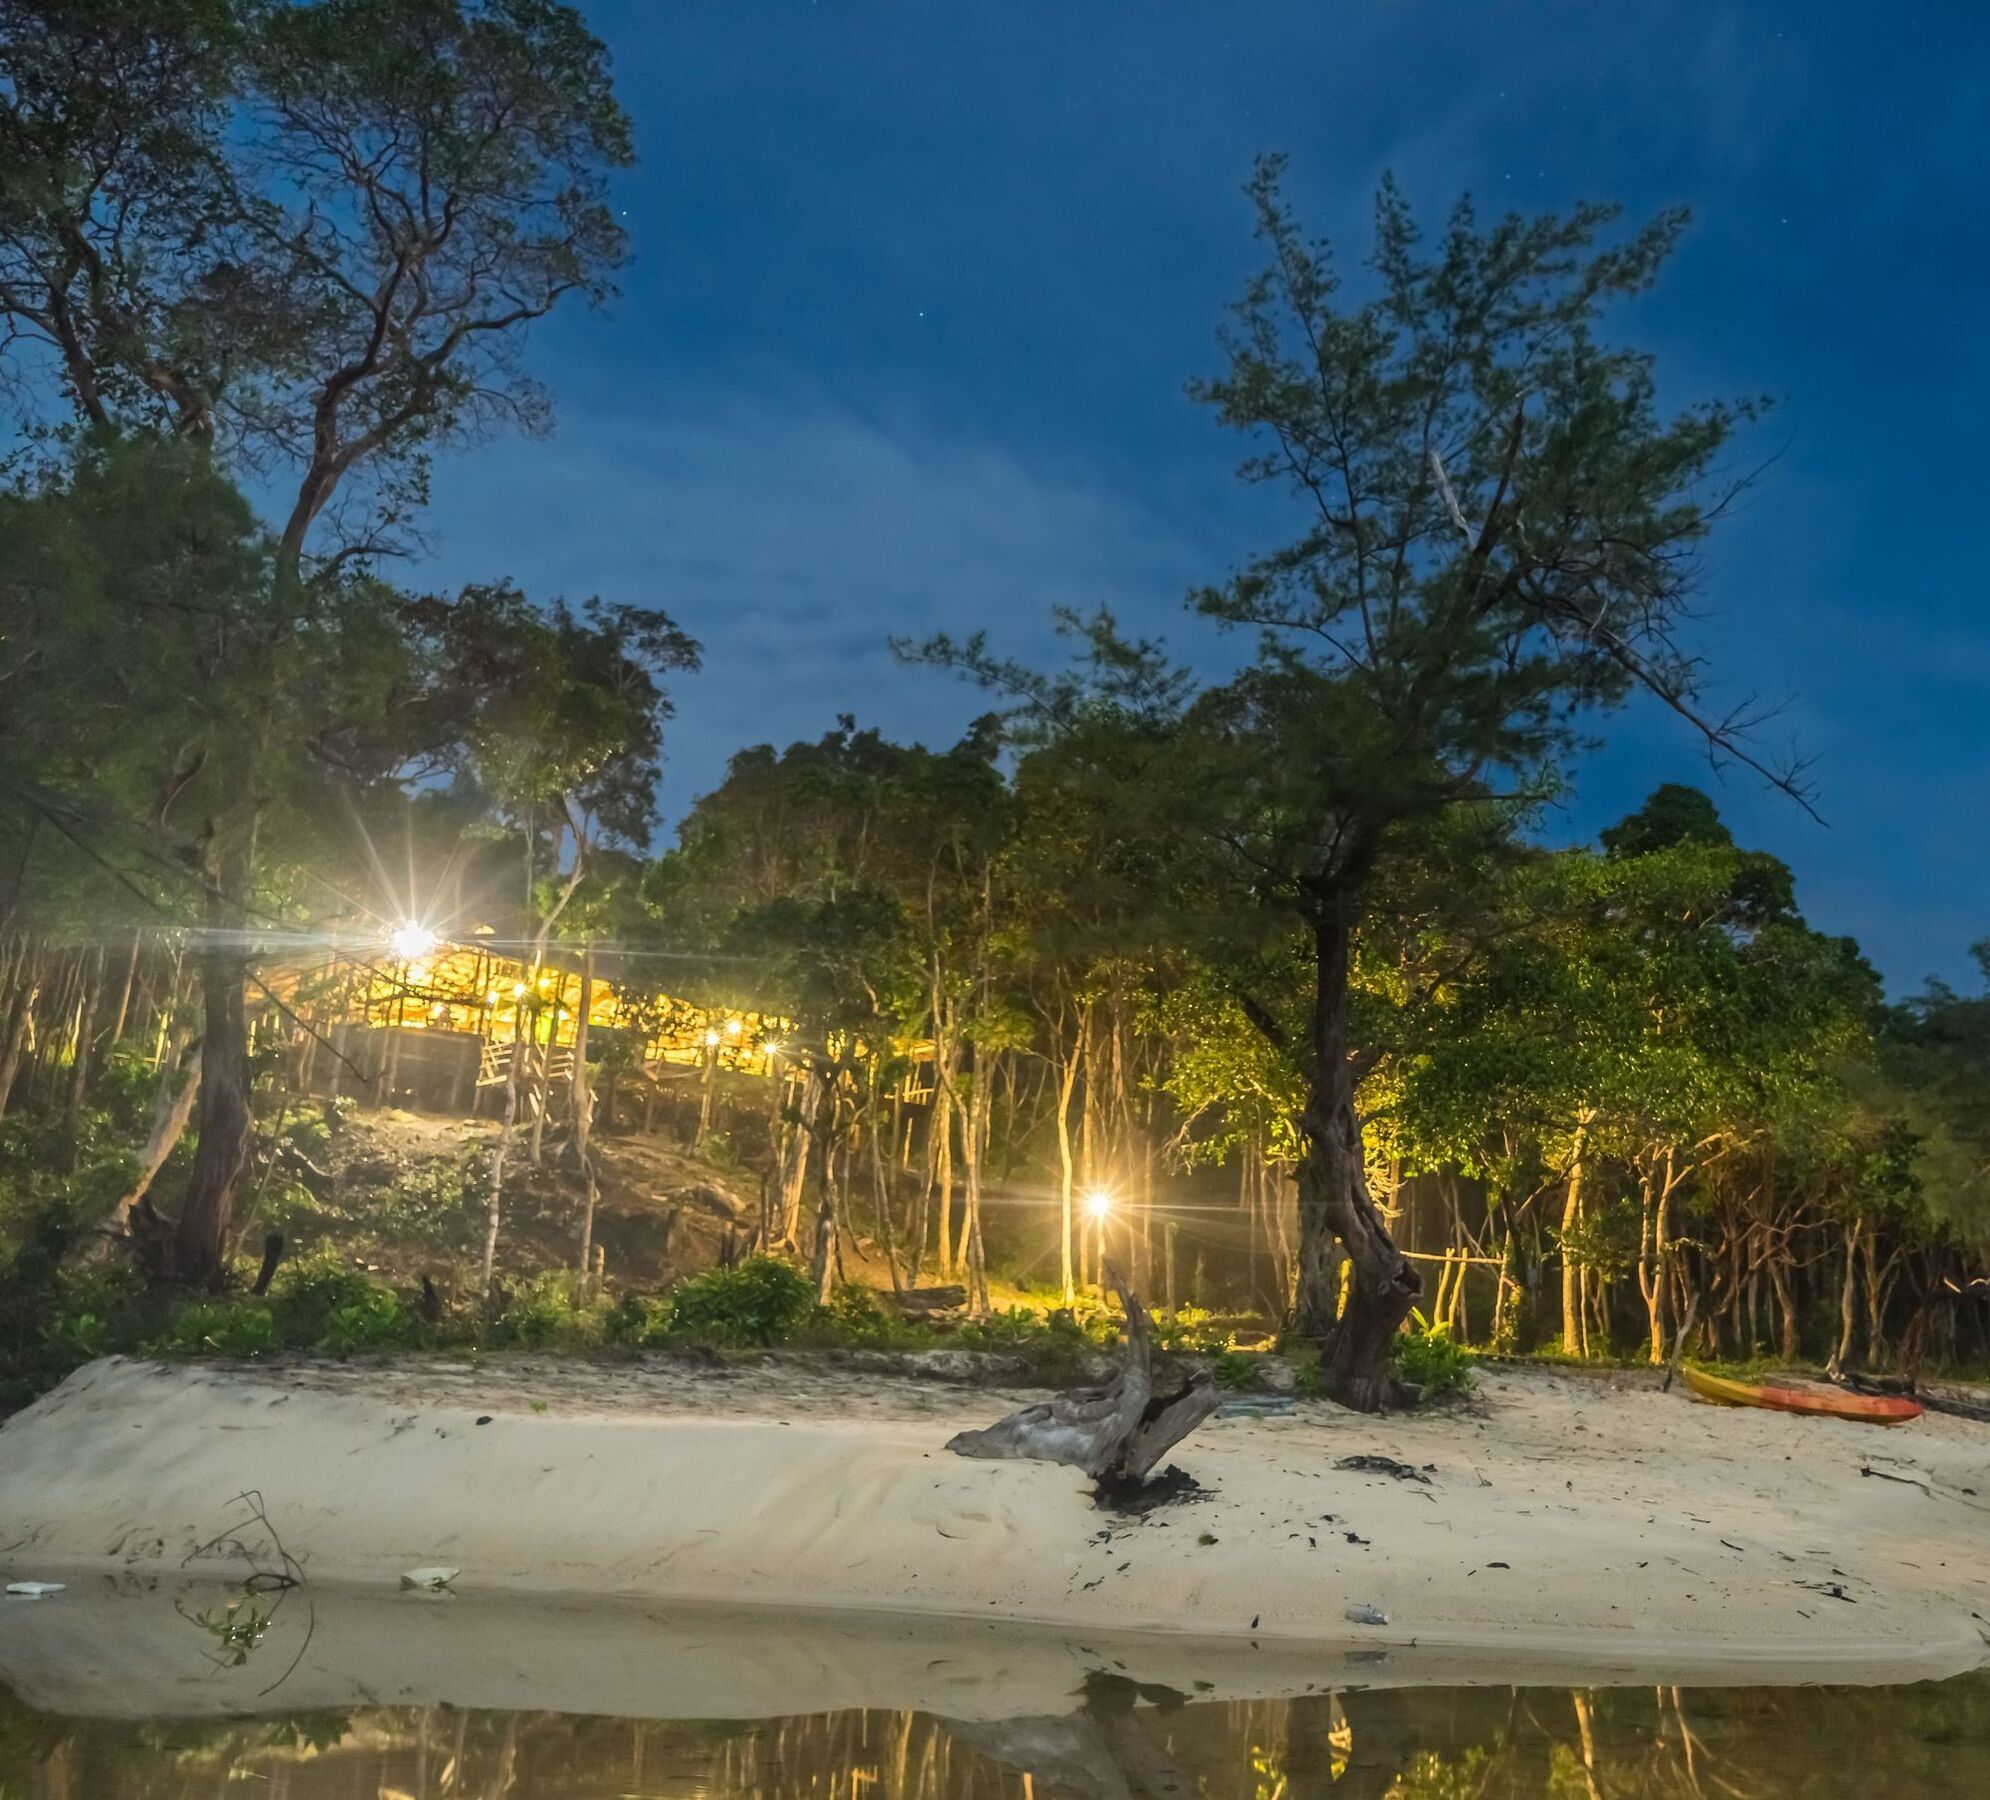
point(1428, 1358)
point(217, 1328)
point(1191, 1328)
point(857, 1319)
point(309, 1292)
point(763, 1300)
point(1235, 1370)
point(557, 1310)
point(376, 1320)
point(1022, 1328)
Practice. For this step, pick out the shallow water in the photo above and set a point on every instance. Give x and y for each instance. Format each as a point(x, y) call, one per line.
point(1925, 1739)
point(120, 1691)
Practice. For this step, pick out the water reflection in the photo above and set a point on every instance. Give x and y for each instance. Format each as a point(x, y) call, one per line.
point(1121, 1740)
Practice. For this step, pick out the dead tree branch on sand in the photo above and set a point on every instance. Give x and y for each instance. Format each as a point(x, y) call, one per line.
point(1118, 1432)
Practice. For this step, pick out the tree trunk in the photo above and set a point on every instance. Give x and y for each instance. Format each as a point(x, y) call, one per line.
point(222, 1116)
point(1572, 1333)
point(172, 1107)
point(79, 1067)
point(943, 1166)
point(1335, 1205)
point(582, 1100)
point(115, 1036)
point(1067, 1080)
point(1848, 1293)
point(974, 1136)
point(494, 1197)
point(1114, 1433)
point(20, 1016)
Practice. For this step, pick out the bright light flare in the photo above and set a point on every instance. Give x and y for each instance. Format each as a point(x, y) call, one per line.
point(1098, 1204)
point(411, 938)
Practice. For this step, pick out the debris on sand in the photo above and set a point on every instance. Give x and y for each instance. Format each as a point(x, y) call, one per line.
point(1387, 1465)
point(1174, 1486)
point(431, 1580)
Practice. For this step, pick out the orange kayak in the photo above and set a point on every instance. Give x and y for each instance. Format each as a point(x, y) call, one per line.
point(1803, 1397)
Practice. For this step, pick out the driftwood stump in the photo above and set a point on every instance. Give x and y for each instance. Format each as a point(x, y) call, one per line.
point(1117, 1432)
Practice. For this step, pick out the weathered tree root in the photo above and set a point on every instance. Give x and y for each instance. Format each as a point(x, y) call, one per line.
point(1118, 1432)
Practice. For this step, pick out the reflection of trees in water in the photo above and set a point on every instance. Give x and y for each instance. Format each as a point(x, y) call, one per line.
point(1118, 1742)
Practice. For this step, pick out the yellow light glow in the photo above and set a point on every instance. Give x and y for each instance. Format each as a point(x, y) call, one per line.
point(772, 1046)
point(1098, 1203)
point(418, 973)
point(733, 1028)
point(411, 938)
point(518, 990)
point(492, 996)
point(711, 1039)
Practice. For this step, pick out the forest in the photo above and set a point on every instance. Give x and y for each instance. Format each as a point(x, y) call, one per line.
point(1246, 962)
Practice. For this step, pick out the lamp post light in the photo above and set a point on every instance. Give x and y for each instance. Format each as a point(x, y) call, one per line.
point(1098, 1207)
point(411, 940)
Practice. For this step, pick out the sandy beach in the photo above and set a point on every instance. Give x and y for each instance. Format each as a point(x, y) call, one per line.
point(1563, 1522)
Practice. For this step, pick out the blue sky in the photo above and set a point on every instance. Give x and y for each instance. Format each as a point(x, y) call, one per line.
point(918, 286)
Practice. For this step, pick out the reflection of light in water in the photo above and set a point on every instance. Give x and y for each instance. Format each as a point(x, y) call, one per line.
point(1113, 1737)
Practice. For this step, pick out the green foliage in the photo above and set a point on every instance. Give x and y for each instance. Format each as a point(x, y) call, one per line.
point(1426, 1358)
point(1236, 1370)
point(557, 1310)
point(308, 1290)
point(1058, 1333)
point(764, 1300)
point(636, 1321)
point(1191, 1328)
point(857, 1318)
point(374, 1321)
point(217, 1328)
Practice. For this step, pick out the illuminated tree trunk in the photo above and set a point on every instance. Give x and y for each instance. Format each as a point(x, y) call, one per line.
point(20, 1019)
point(115, 1036)
point(79, 1065)
point(943, 1165)
point(223, 1116)
point(583, 1105)
point(1572, 1333)
point(1335, 1205)
point(1067, 1171)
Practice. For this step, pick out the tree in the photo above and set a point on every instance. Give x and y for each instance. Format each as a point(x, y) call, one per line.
point(310, 235)
point(1496, 543)
point(554, 716)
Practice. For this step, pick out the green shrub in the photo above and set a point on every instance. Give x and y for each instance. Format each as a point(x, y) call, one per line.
point(1234, 1369)
point(218, 1328)
point(764, 1300)
point(1426, 1357)
point(1191, 1328)
point(306, 1294)
point(636, 1320)
point(375, 1321)
point(557, 1308)
point(856, 1318)
point(1013, 1328)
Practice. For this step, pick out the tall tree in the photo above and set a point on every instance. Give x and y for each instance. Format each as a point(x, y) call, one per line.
point(1496, 542)
point(311, 235)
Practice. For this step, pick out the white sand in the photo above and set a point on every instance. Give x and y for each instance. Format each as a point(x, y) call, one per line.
point(1644, 1536)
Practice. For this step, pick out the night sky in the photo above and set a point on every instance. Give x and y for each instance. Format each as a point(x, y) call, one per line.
point(918, 286)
